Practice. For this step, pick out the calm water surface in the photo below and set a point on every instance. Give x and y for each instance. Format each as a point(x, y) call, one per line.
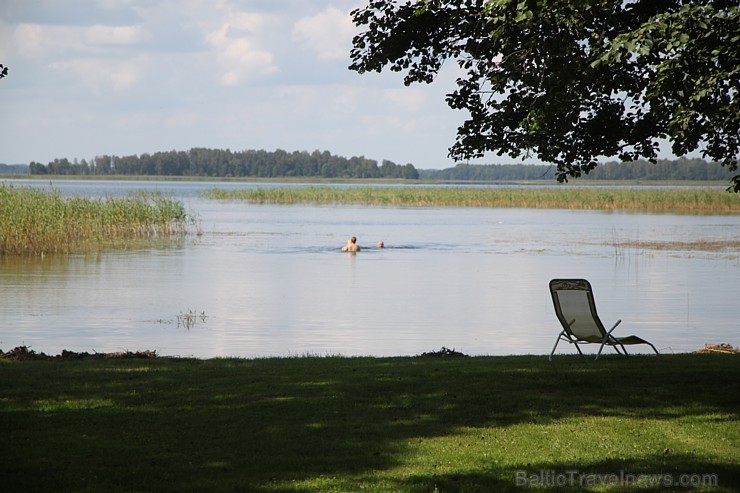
point(265, 280)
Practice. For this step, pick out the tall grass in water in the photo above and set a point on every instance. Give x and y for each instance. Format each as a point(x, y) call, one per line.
point(698, 200)
point(36, 222)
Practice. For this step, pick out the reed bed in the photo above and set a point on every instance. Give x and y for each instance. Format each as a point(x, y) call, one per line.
point(691, 200)
point(36, 222)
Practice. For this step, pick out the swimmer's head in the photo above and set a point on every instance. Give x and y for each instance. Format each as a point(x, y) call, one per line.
point(380, 244)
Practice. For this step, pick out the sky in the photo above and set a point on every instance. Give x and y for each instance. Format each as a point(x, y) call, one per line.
point(127, 77)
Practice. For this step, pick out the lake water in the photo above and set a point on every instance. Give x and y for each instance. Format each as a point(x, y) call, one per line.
point(266, 280)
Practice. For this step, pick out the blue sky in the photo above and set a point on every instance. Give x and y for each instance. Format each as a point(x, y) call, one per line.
point(122, 77)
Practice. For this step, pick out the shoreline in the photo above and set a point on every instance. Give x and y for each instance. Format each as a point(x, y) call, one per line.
point(23, 353)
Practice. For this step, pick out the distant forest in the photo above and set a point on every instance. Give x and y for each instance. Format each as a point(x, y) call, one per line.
point(279, 163)
point(225, 164)
point(13, 169)
point(668, 170)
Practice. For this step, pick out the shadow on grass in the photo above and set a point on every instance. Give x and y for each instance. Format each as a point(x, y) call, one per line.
point(340, 424)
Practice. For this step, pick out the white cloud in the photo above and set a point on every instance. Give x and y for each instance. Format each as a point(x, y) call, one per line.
point(236, 42)
point(98, 74)
point(381, 124)
point(347, 98)
point(328, 33)
point(411, 99)
point(114, 35)
point(41, 39)
point(30, 39)
point(181, 119)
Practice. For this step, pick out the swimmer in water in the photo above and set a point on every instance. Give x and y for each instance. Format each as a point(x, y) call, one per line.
point(380, 244)
point(351, 245)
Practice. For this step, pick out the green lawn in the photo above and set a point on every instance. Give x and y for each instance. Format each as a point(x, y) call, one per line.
point(481, 424)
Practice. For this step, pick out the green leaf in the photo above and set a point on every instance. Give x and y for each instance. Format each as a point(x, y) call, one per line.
point(662, 58)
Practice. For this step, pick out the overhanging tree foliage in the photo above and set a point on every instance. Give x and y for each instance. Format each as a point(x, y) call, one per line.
point(571, 81)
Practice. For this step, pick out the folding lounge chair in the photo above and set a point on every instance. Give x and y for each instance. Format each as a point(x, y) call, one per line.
point(576, 310)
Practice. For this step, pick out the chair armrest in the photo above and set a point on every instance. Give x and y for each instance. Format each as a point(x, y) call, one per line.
point(614, 327)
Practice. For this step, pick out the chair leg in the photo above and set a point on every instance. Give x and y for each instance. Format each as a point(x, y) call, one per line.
point(556, 345)
point(601, 348)
point(616, 348)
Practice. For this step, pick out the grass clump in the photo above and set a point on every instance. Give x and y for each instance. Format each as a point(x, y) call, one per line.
point(692, 200)
point(39, 222)
point(474, 424)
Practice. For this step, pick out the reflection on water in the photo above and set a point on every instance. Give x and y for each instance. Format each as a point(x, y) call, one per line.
point(271, 280)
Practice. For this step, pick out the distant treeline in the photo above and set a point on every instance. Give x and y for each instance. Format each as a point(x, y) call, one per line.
point(279, 163)
point(225, 163)
point(680, 169)
point(13, 169)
